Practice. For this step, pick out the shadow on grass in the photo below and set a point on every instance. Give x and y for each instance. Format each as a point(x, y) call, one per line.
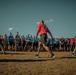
point(33, 60)
point(18, 60)
point(26, 60)
point(68, 57)
point(14, 53)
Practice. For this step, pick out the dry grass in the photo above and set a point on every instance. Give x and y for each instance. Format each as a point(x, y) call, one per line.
point(26, 64)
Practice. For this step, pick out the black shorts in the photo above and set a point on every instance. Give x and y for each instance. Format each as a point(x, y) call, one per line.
point(35, 44)
point(43, 38)
point(1, 44)
point(11, 43)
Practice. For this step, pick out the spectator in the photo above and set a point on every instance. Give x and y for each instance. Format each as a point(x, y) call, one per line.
point(5, 42)
point(72, 44)
point(1, 44)
point(74, 48)
point(17, 42)
point(67, 44)
point(61, 44)
point(11, 42)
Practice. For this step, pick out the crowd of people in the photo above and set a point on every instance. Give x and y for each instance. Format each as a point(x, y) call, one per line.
point(30, 43)
point(17, 42)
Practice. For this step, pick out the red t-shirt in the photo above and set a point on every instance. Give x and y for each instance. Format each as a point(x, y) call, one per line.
point(42, 28)
point(72, 41)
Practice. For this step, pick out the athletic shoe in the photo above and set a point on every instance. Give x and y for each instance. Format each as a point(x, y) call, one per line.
point(36, 56)
point(4, 52)
point(53, 56)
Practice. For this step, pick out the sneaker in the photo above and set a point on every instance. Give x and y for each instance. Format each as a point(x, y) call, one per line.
point(53, 56)
point(36, 56)
point(4, 52)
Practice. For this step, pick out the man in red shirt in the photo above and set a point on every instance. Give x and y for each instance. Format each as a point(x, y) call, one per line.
point(74, 47)
point(43, 30)
point(72, 44)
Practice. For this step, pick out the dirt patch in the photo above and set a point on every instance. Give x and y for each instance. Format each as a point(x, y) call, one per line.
point(26, 64)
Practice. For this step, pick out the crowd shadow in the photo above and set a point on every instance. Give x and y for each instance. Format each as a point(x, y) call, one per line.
point(19, 60)
point(27, 60)
point(34, 60)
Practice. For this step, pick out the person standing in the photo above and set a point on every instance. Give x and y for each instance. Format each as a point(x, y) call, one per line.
point(5, 42)
point(11, 42)
point(43, 30)
point(72, 42)
point(74, 51)
point(17, 42)
point(1, 44)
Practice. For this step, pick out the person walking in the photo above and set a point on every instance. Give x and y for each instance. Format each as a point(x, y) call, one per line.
point(43, 30)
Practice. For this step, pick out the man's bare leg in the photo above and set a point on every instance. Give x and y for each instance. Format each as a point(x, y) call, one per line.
point(39, 47)
point(50, 51)
point(2, 49)
point(74, 50)
point(47, 48)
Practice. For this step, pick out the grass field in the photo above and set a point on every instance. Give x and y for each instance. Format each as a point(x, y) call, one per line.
point(24, 63)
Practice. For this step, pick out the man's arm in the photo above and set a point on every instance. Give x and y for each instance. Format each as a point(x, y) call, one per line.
point(51, 35)
point(37, 34)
